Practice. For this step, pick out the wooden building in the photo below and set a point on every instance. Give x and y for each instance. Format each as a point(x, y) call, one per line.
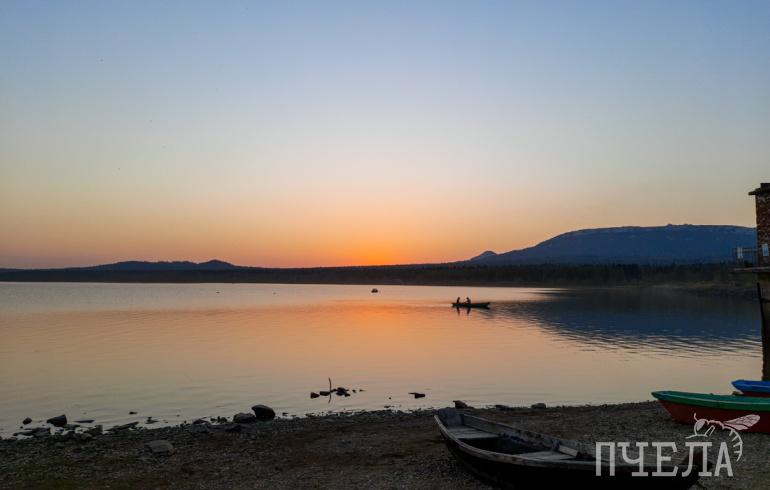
point(757, 261)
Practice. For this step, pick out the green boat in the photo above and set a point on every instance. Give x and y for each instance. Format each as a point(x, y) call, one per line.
point(687, 407)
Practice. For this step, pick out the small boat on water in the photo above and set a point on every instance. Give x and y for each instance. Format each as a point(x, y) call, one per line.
point(513, 458)
point(470, 305)
point(753, 388)
point(375, 290)
point(687, 407)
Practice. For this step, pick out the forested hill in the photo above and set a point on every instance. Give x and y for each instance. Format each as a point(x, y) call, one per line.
point(671, 244)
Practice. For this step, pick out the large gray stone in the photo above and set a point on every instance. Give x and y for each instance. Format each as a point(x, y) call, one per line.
point(263, 412)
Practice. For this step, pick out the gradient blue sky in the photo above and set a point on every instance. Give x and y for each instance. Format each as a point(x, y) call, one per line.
point(322, 133)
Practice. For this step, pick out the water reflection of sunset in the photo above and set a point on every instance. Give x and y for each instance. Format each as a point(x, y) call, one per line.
point(227, 353)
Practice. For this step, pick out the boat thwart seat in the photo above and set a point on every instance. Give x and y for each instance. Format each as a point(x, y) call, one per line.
point(545, 456)
point(463, 432)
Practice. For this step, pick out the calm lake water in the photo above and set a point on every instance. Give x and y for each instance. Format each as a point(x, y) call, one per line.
point(178, 352)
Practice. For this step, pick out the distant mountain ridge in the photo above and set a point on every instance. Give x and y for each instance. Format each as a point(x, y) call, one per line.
point(178, 265)
point(670, 244)
point(651, 245)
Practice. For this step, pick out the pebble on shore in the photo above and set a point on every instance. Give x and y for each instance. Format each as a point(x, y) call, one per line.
point(244, 418)
point(160, 447)
point(94, 431)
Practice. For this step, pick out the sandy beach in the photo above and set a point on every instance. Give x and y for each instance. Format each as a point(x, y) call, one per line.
point(380, 449)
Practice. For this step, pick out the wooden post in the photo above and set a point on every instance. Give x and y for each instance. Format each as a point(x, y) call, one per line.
point(763, 295)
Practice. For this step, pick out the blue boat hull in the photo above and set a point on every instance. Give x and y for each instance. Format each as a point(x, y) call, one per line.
point(752, 388)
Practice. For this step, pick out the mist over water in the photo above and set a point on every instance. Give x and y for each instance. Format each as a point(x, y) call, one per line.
point(178, 352)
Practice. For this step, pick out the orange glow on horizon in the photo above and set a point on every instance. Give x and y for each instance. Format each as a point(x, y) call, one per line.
point(288, 137)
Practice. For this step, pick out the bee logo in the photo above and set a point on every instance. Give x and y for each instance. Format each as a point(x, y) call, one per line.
point(705, 427)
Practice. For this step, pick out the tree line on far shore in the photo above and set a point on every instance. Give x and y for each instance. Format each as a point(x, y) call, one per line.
point(439, 274)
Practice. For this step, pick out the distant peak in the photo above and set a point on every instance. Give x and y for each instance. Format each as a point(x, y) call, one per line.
point(216, 262)
point(162, 265)
point(484, 255)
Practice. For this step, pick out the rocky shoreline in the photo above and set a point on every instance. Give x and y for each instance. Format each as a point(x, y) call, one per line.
point(378, 449)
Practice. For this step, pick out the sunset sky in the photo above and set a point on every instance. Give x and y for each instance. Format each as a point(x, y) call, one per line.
point(336, 133)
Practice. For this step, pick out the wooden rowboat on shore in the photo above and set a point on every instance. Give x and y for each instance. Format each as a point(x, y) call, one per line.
point(520, 459)
point(753, 388)
point(470, 305)
point(687, 407)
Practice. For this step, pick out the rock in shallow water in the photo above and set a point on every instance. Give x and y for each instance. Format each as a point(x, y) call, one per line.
point(127, 426)
point(58, 421)
point(538, 405)
point(26, 421)
point(460, 404)
point(263, 412)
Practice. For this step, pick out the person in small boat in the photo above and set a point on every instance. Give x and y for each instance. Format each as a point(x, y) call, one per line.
point(458, 301)
point(467, 300)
